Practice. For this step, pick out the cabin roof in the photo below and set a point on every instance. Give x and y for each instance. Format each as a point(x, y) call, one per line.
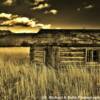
point(68, 30)
point(52, 31)
point(57, 31)
point(72, 37)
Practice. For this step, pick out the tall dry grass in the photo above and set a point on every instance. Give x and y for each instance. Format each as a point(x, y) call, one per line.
point(21, 81)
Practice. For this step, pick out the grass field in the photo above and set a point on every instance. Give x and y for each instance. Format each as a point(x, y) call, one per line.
point(21, 81)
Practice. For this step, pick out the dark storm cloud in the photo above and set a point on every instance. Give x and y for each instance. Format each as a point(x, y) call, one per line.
point(12, 20)
point(65, 12)
point(24, 12)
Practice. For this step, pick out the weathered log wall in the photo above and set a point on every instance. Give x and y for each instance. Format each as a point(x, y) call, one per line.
point(37, 55)
point(71, 54)
point(55, 55)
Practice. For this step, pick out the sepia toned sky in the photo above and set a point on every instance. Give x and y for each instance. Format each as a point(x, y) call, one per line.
point(30, 15)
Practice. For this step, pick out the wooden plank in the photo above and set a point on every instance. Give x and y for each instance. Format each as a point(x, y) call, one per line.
point(37, 59)
point(71, 55)
point(73, 52)
point(65, 57)
point(70, 61)
point(36, 56)
point(71, 48)
point(37, 51)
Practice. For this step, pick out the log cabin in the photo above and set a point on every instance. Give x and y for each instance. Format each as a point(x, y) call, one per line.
point(56, 47)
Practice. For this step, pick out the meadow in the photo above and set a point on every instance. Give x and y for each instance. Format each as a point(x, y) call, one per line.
point(20, 80)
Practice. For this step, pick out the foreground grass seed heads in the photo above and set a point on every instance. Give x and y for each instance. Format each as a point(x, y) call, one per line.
point(21, 81)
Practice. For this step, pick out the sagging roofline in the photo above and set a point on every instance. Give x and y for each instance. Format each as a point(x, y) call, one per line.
point(55, 31)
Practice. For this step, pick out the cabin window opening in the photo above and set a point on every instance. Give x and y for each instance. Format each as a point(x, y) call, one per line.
point(96, 55)
point(93, 55)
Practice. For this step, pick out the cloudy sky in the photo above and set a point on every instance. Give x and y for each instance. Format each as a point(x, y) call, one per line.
point(29, 15)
